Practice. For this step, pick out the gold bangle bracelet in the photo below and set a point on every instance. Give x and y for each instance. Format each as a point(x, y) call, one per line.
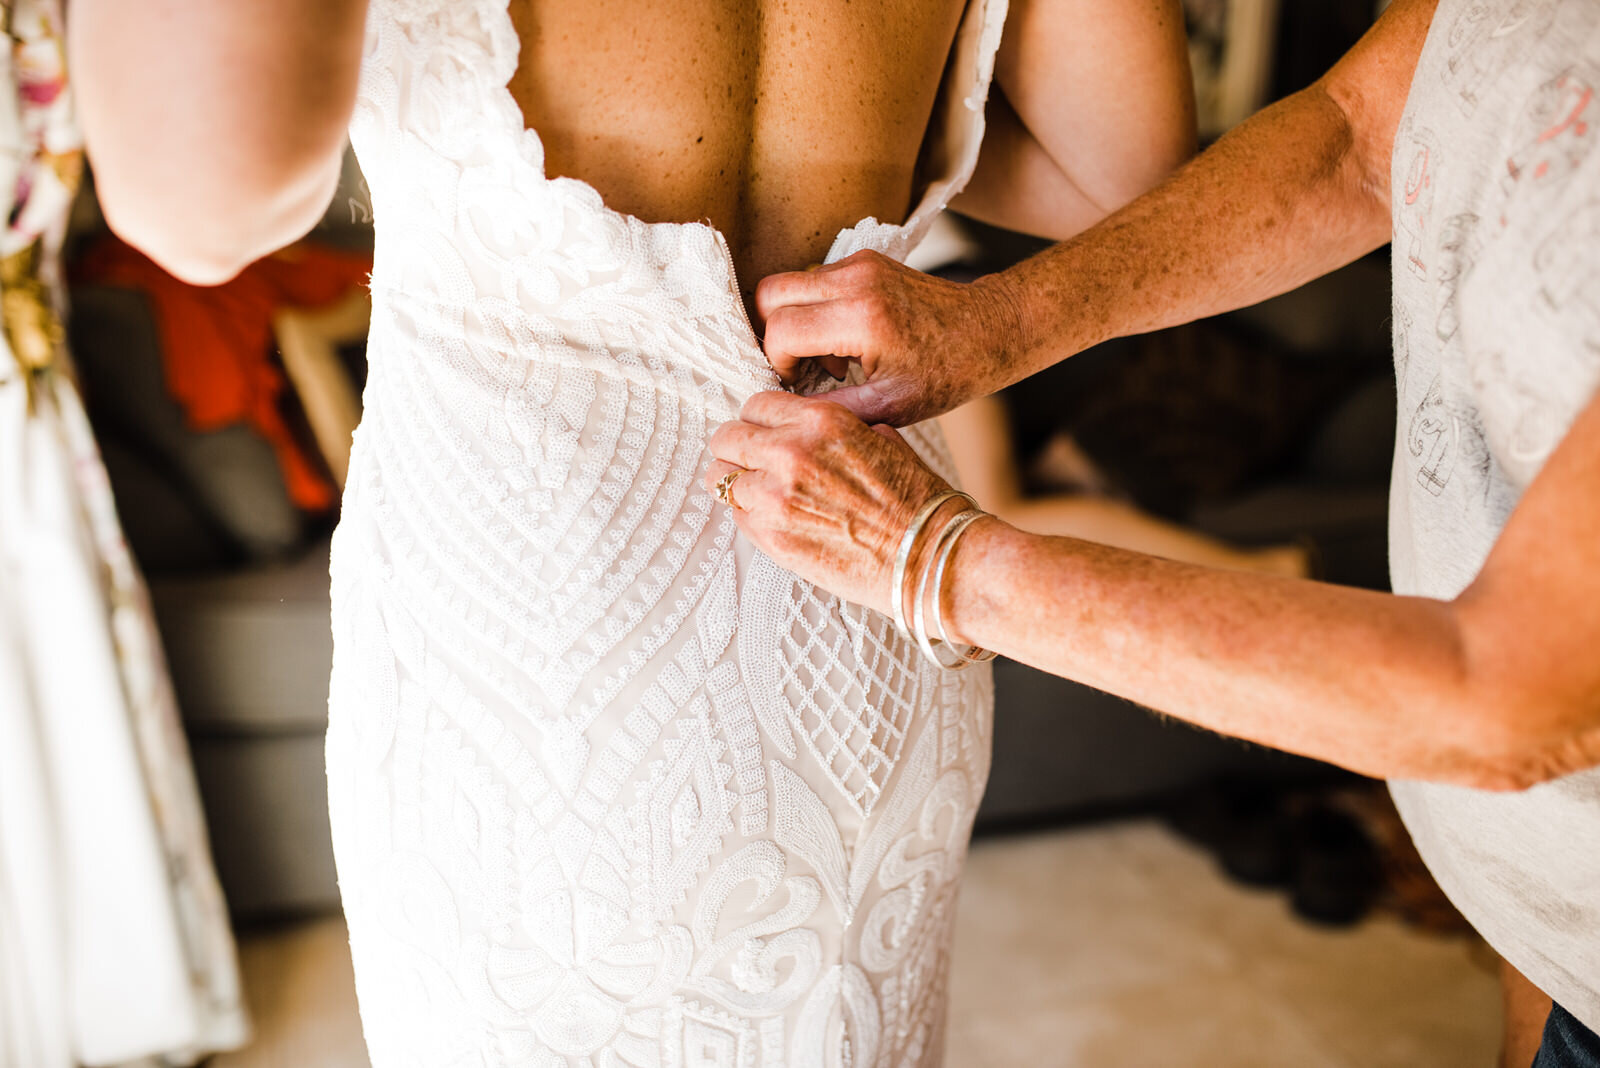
point(970, 654)
point(919, 606)
point(902, 558)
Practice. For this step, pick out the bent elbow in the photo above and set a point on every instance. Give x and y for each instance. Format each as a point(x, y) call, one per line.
point(1149, 164)
point(189, 256)
point(1503, 776)
point(1520, 745)
point(205, 237)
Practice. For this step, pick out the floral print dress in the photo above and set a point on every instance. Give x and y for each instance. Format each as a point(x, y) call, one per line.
point(114, 941)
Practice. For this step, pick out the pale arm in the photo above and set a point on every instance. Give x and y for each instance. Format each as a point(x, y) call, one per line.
point(215, 128)
point(1093, 104)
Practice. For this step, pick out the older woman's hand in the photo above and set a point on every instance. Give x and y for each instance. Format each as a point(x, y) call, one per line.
point(925, 345)
point(820, 492)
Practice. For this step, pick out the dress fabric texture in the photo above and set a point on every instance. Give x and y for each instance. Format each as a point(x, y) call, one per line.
point(609, 787)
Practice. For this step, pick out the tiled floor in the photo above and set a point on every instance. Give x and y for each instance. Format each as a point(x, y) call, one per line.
point(1112, 947)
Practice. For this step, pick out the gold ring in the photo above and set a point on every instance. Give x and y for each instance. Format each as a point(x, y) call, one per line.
point(724, 490)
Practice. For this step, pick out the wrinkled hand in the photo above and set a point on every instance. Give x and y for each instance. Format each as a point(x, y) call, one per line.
point(820, 492)
point(926, 345)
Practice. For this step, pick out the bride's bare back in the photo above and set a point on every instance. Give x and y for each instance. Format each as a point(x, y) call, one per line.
point(778, 122)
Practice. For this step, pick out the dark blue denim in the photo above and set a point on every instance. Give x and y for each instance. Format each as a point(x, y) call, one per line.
point(1567, 1043)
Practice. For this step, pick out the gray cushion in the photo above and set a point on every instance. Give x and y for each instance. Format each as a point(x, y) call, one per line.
point(266, 803)
point(163, 524)
point(250, 650)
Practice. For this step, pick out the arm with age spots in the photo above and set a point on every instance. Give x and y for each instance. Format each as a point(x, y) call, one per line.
point(847, 524)
point(1498, 688)
point(1294, 192)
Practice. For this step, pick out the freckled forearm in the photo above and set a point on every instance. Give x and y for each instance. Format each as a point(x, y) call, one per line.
point(1276, 203)
point(1373, 682)
point(1295, 191)
point(1498, 688)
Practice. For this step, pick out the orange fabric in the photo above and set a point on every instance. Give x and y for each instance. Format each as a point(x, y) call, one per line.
point(216, 341)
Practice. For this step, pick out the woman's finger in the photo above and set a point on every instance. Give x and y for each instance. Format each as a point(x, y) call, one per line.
point(792, 288)
point(716, 471)
point(775, 408)
point(748, 487)
point(818, 492)
point(738, 442)
point(797, 333)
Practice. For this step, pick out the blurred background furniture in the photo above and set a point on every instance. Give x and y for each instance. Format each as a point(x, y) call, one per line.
point(238, 571)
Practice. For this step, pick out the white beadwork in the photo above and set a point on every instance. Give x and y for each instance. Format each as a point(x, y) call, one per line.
point(608, 786)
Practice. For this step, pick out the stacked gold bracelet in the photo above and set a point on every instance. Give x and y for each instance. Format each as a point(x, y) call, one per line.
point(932, 572)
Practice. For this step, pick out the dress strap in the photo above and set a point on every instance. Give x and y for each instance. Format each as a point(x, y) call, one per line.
point(955, 134)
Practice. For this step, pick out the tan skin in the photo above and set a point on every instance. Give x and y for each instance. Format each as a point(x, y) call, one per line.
point(1498, 688)
point(1296, 192)
point(1524, 1008)
point(781, 123)
point(235, 113)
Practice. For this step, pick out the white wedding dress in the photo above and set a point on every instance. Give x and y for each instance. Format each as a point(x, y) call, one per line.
point(609, 787)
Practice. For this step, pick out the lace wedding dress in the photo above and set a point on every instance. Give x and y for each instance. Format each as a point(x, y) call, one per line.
point(609, 787)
